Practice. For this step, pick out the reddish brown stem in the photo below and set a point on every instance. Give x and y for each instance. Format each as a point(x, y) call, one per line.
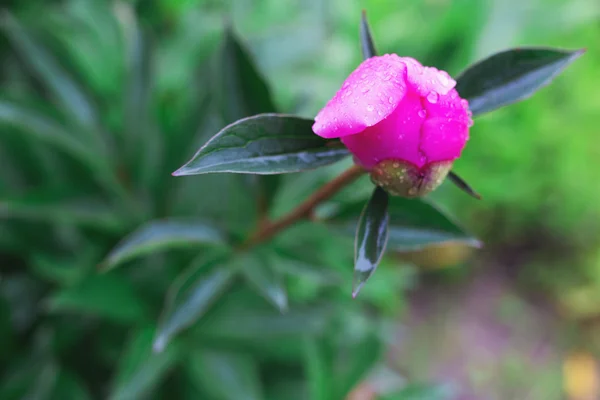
point(304, 210)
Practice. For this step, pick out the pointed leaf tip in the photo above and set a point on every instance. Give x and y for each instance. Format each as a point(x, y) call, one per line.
point(366, 39)
point(264, 144)
point(371, 238)
point(463, 185)
point(511, 76)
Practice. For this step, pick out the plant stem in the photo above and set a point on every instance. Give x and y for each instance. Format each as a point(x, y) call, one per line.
point(304, 210)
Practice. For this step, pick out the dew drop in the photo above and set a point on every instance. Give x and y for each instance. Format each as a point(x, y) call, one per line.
point(346, 84)
point(443, 79)
point(422, 113)
point(391, 100)
point(433, 97)
point(370, 108)
point(464, 103)
point(364, 90)
point(470, 123)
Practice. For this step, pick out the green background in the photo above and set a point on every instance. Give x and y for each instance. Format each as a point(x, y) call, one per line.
point(501, 322)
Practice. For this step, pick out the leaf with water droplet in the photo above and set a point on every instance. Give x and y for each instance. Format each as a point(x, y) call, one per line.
point(264, 144)
point(371, 238)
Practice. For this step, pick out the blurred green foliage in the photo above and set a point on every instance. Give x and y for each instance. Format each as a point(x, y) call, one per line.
point(101, 101)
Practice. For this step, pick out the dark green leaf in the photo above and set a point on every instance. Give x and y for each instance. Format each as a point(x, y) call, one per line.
point(464, 186)
point(371, 238)
point(414, 224)
point(265, 279)
point(62, 86)
point(107, 296)
point(241, 90)
point(69, 386)
point(511, 76)
point(366, 40)
point(225, 375)
point(191, 295)
point(140, 369)
point(318, 366)
point(162, 235)
point(264, 144)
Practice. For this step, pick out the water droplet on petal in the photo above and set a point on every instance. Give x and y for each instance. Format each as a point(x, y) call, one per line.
point(364, 90)
point(464, 103)
point(422, 113)
point(433, 97)
point(346, 84)
point(391, 100)
point(444, 80)
point(370, 108)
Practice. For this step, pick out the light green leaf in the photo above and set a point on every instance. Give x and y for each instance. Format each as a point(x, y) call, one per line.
point(264, 279)
point(318, 367)
point(163, 235)
point(243, 315)
point(107, 296)
point(225, 375)
point(47, 206)
point(31, 122)
point(62, 86)
point(357, 362)
point(140, 370)
point(191, 295)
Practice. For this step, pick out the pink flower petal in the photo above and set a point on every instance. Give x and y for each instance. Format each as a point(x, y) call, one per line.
point(370, 94)
point(396, 137)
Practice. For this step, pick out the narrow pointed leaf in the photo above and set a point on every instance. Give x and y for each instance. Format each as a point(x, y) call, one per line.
point(366, 40)
point(360, 358)
point(46, 205)
point(243, 315)
point(318, 368)
point(141, 369)
point(107, 296)
point(414, 224)
point(29, 121)
point(241, 89)
point(60, 84)
point(264, 144)
point(225, 375)
point(511, 76)
point(265, 279)
point(464, 186)
point(242, 92)
point(191, 296)
point(160, 236)
point(371, 238)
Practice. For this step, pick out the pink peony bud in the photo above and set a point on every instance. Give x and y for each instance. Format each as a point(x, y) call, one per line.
point(403, 122)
